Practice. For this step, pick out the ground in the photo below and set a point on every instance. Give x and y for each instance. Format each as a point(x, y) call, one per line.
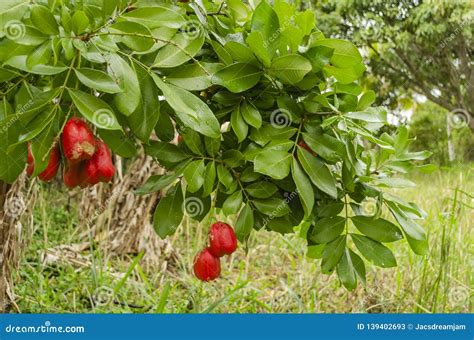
point(273, 276)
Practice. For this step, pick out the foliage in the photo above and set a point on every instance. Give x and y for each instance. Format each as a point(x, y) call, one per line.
point(431, 120)
point(420, 46)
point(243, 87)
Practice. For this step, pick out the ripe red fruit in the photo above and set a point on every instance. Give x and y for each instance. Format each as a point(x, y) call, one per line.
point(77, 140)
point(222, 239)
point(207, 267)
point(74, 175)
point(100, 167)
point(305, 146)
point(51, 169)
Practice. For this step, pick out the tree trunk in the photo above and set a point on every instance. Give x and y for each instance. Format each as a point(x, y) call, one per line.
point(15, 200)
point(451, 152)
point(121, 221)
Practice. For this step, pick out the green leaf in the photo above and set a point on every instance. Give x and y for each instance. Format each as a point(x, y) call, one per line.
point(212, 145)
point(327, 229)
point(165, 152)
point(128, 100)
point(291, 68)
point(44, 20)
point(79, 22)
point(366, 100)
point(19, 62)
point(164, 129)
point(240, 53)
point(41, 148)
point(358, 265)
point(265, 21)
point(273, 163)
point(326, 146)
point(95, 110)
point(244, 224)
point(143, 121)
point(238, 77)
point(346, 271)
point(169, 212)
point(232, 203)
point(304, 187)
point(332, 254)
point(345, 53)
point(193, 77)
point(306, 21)
point(414, 233)
point(257, 44)
point(374, 251)
point(160, 15)
point(378, 229)
point(40, 55)
point(238, 124)
point(193, 112)
point(156, 183)
point(272, 206)
point(251, 115)
point(261, 189)
point(318, 172)
point(98, 80)
point(224, 175)
point(135, 36)
point(371, 115)
point(120, 143)
point(209, 178)
point(345, 75)
point(184, 47)
point(27, 35)
point(233, 158)
point(319, 57)
point(194, 174)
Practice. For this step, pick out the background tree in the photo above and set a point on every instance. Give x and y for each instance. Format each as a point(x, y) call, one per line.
point(413, 46)
point(430, 120)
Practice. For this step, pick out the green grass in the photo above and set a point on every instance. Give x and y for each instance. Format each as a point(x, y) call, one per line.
point(273, 276)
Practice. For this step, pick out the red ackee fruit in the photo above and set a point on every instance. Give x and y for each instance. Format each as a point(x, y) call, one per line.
point(207, 267)
point(51, 169)
point(305, 146)
point(222, 239)
point(77, 140)
point(100, 167)
point(74, 175)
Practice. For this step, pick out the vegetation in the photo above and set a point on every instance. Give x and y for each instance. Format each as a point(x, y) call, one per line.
point(274, 276)
point(277, 131)
point(430, 120)
point(413, 46)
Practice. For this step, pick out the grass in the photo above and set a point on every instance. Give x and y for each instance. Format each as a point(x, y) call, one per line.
point(273, 276)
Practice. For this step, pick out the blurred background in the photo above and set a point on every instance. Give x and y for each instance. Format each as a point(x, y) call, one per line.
point(419, 58)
